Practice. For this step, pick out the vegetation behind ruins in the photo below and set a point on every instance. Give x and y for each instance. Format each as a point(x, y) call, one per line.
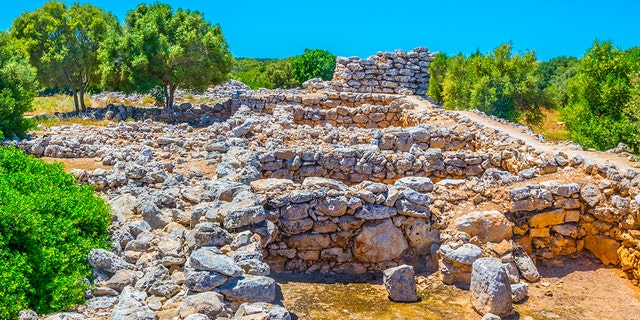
point(597, 97)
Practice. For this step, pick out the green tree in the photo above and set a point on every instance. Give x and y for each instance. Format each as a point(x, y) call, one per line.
point(316, 63)
point(601, 98)
point(17, 89)
point(48, 225)
point(265, 73)
point(63, 44)
point(554, 76)
point(438, 69)
point(164, 49)
point(499, 83)
point(280, 74)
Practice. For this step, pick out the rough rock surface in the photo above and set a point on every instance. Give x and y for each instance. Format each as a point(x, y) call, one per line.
point(379, 241)
point(207, 195)
point(488, 226)
point(401, 284)
point(490, 288)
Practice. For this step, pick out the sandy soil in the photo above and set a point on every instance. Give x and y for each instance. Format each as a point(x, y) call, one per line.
point(88, 164)
point(578, 288)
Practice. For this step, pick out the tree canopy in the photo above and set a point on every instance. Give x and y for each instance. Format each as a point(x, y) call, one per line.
point(500, 83)
point(63, 43)
point(17, 88)
point(602, 107)
point(164, 49)
point(265, 73)
point(315, 63)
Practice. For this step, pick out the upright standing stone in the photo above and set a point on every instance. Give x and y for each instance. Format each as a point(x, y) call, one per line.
point(490, 288)
point(400, 284)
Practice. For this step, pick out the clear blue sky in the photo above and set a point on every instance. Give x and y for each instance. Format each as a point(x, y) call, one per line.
point(361, 28)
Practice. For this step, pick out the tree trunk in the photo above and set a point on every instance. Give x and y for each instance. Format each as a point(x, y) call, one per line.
point(84, 107)
point(75, 101)
point(171, 94)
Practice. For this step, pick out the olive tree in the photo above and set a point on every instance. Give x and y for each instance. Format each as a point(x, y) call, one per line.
point(164, 49)
point(63, 43)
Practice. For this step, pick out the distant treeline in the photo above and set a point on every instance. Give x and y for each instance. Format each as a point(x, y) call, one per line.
point(285, 73)
point(598, 96)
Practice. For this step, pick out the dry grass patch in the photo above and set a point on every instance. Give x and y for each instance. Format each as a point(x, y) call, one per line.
point(552, 128)
point(47, 121)
point(56, 103)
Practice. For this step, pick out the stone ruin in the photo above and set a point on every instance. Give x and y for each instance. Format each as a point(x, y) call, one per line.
point(332, 182)
point(397, 72)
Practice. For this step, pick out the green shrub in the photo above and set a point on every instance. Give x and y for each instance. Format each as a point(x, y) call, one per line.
point(602, 107)
point(48, 225)
point(315, 63)
point(265, 73)
point(17, 89)
point(500, 83)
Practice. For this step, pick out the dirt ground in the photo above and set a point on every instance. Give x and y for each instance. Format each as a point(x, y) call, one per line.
point(571, 288)
point(88, 164)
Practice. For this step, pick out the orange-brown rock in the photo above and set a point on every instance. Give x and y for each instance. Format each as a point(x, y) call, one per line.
point(604, 248)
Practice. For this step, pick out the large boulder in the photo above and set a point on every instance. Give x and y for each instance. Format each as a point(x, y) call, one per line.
point(456, 262)
point(244, 217)
point(250, 289)
point(210, 304)
point(421, 236)
point(205, 259)
point(525, 265)
point(262, 310)
point(420, 184)
point(154, 216)
point(400, 284)
point(604, 248)
point(131, 307)
point(379, 241)
point(208, 234)
point(488, 226)
point(203, 281)
point(107, 261)
point(490, 288)
point(590, 193)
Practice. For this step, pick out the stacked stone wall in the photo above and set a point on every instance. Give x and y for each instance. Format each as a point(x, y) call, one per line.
point(601, 216)
point(397, 72)
point(323, 225)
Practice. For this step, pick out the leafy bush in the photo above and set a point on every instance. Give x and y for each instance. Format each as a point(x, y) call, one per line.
point(265, 73)
point(17, 89)
point(602, 107)
point(48, 225)
point(499, 83)
point(316, 63)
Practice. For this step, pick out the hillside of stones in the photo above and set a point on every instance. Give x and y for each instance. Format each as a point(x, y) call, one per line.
point(208, 200)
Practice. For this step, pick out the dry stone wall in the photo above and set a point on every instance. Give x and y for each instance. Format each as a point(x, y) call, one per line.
point(324, 225)
point(601, 216)
point(397, 72)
